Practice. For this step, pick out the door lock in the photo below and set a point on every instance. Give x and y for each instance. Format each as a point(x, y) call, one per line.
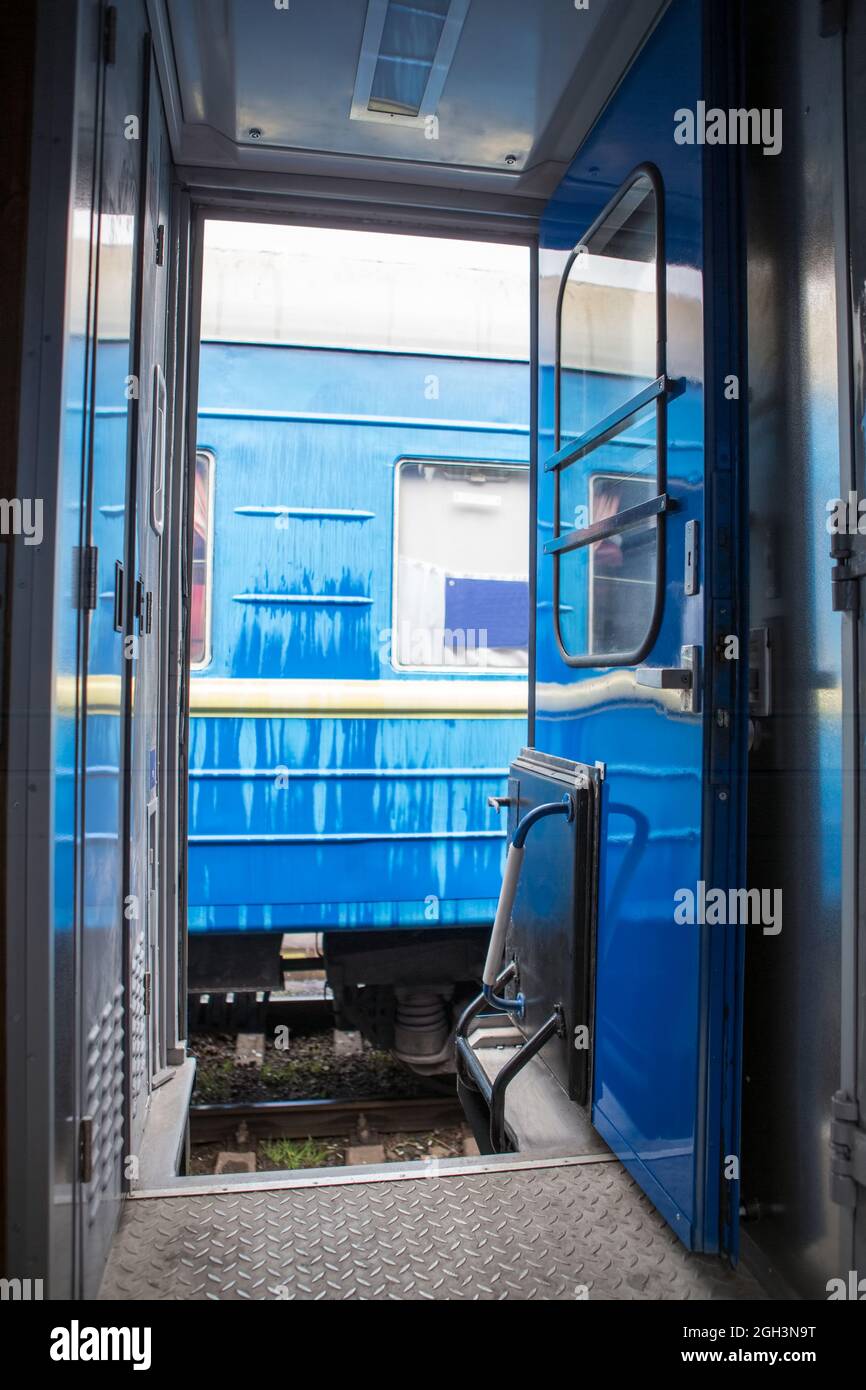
point(685, 678)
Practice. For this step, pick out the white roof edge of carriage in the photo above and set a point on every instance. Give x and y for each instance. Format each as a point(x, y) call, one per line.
point(442, 306)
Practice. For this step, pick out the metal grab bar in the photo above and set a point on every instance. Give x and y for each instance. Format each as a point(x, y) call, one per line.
point(555, 1024)
point(473, 1075)
point(507, 895)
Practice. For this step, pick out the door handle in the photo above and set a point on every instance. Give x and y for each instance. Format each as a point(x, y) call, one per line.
point(664, 677)
point(685, 678)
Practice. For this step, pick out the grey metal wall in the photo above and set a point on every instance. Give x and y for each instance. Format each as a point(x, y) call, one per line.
point(42, 983)
point(792, 1017)
point(68, 979)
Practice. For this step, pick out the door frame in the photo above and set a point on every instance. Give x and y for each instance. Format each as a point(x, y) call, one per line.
point(36, 1246)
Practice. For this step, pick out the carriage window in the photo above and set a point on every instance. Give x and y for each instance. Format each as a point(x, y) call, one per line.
point(461, 581)
point(202, 562)
point(609, 468)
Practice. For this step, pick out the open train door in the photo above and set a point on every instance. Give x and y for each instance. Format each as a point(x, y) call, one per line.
point(641, 650)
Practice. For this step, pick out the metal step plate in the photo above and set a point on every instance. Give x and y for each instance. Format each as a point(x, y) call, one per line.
point(547, 1230)
point(538, 1115)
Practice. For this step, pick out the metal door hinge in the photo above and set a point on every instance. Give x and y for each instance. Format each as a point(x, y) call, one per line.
point(160, 244)
point(118, 596)
point(848, 1151)
point(85, 1148)
point(88, 565)
point(109, 35)
point(147, 993)
point(845, 575)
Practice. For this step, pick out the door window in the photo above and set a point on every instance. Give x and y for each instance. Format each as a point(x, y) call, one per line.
point(610, 397)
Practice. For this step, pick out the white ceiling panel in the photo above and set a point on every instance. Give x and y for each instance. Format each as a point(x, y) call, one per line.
point(256, 86)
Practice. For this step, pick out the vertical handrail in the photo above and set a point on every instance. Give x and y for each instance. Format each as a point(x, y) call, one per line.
point(507, 895)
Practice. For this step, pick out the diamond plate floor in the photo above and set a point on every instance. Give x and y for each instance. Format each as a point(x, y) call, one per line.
point(562, 1232)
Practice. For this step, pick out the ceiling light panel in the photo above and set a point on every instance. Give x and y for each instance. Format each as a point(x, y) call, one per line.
point(406, 54)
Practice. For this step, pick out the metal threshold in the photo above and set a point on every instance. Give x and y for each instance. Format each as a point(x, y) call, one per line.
point(207, 1185)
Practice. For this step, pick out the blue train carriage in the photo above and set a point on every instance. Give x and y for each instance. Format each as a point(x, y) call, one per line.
point(359, 620)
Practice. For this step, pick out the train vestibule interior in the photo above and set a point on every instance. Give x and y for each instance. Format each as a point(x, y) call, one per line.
point(430, 739)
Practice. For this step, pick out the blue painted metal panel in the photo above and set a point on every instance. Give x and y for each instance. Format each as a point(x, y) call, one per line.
point(666, 1025)
point(305, 444)
point(263, 461)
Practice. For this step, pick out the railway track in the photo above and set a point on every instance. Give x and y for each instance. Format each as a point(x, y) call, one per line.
point(314, 1119)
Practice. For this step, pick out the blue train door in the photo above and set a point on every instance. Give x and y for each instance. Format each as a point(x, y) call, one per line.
point(641, 647)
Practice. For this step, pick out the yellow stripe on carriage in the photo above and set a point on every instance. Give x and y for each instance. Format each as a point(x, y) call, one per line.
point(229, 698)
point(322, 699)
